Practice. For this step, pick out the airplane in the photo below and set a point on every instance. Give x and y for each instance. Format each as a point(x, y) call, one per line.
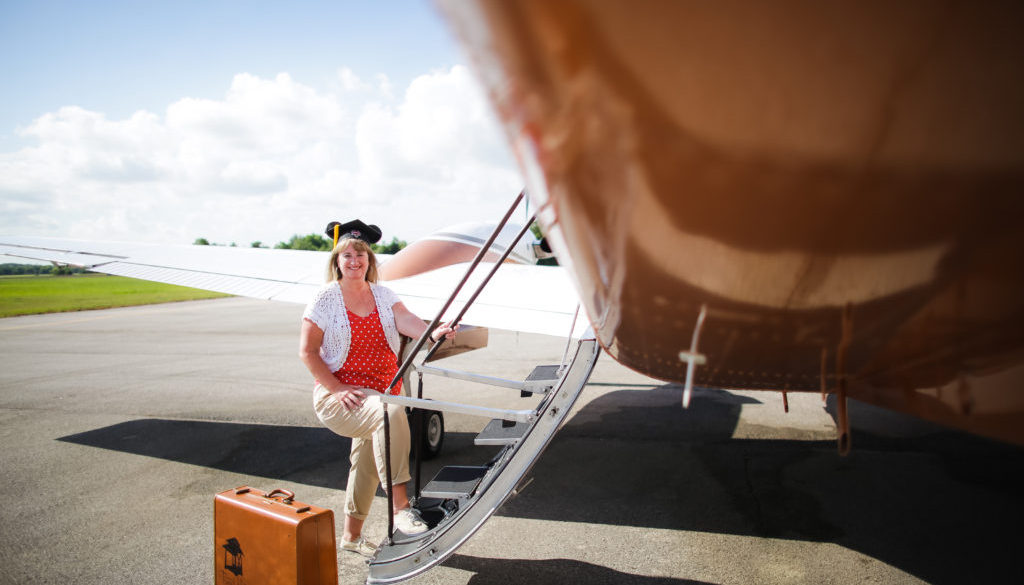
point(828, 196)
point(795, 197)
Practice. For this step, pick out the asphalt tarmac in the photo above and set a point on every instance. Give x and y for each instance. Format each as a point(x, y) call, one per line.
point(118, 427)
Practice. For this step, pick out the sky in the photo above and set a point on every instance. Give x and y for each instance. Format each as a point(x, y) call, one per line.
point(241, 121)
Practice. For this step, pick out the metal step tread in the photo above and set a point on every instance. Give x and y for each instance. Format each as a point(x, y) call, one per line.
point(501, 432)
point(454, 481)
point(540, 380)
point(546, 373)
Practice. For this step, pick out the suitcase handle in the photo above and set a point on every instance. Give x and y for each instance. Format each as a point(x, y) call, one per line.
point(289, 496)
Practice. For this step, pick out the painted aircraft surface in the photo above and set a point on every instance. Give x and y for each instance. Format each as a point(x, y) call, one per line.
point(828, 195)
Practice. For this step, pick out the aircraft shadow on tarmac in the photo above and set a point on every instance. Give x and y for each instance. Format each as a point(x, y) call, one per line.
point(306, 455)
point(312, 456)
point(551, 571)
point(943, 506)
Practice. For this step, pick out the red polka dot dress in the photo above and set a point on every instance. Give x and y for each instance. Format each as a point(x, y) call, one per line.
point(370, 362)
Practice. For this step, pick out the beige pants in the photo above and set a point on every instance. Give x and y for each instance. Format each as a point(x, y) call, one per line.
point(365, 425)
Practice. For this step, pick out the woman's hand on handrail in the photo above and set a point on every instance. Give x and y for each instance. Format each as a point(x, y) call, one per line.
point(444, 330)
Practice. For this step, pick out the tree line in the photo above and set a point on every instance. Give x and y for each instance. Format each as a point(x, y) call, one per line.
point(39, 269)
point(314, 242)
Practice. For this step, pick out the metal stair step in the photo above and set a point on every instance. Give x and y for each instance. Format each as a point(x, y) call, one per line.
point(540, 380)
point(454, 481)
point(501, 432)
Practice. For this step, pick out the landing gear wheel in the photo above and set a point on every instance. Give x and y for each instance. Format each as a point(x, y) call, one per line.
point(433, 433)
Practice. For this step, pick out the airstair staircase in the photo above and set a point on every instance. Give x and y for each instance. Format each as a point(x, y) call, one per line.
point(459, 499)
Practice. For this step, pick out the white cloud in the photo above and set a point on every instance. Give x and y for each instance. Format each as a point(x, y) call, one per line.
point(273, 158)
point(351, 82)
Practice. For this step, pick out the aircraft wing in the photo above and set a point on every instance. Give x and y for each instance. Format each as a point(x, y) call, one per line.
point(528, 298)
point(280, 275)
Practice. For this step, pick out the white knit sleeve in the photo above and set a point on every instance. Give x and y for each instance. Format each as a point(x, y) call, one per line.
point(318, 309)
point(386, 298)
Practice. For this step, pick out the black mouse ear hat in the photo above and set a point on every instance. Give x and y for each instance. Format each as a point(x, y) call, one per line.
point(355, 229)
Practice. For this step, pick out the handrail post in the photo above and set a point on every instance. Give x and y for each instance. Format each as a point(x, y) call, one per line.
point(387, 469)
point(418, 420)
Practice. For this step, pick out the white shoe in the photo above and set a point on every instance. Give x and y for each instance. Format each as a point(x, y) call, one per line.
point(359, 546)
point(409, 522)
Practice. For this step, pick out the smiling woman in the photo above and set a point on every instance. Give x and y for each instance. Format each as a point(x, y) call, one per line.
point(29, 295)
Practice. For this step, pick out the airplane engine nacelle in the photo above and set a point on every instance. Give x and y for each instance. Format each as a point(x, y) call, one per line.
point(455, 244)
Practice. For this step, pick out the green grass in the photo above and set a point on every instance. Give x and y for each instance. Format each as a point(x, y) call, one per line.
point(30, 295)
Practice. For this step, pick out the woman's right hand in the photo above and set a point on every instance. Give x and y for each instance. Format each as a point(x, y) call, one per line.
point(349, 396)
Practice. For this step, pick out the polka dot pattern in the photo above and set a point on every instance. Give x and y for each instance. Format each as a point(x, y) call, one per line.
point(370, 362)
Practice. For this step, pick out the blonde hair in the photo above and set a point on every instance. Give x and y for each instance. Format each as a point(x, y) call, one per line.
point(334, 273)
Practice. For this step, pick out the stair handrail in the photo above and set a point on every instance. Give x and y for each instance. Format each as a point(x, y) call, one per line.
point(458, 288)
point(483, 284)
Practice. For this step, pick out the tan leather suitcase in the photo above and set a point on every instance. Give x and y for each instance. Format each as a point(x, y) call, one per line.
point(270, 539)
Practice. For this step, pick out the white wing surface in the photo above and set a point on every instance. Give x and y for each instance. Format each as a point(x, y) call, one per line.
point(280, 275)
point(529, 298)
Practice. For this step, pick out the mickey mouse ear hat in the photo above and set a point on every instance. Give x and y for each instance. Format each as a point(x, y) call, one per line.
point(353, 229)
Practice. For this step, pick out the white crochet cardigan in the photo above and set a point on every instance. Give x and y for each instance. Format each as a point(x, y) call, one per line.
point(327, 311)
